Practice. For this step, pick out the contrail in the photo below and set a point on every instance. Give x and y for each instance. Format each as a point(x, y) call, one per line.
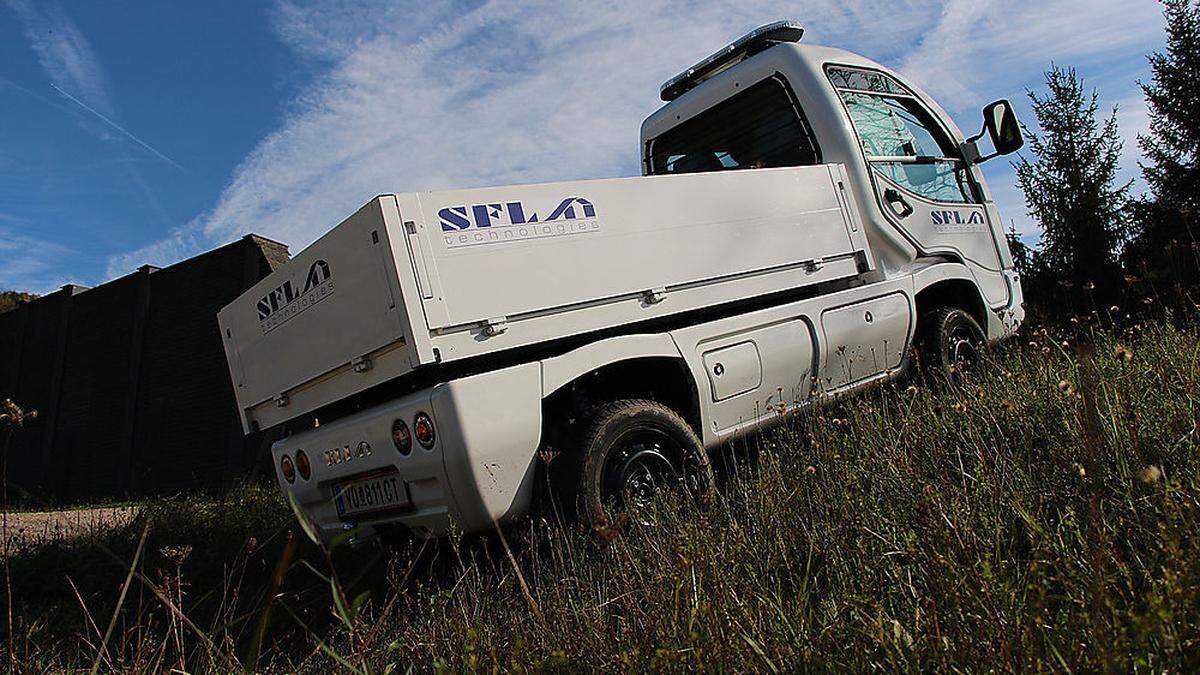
point(119, 128)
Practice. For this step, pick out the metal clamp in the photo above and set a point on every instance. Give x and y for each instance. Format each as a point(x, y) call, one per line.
point(362, 364)
point(654, 296)
point(282, 401)
point(813, 265)
point(496, 326)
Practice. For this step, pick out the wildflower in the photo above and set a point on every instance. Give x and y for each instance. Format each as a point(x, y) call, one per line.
point(1032, 344)
point(1150, 474)
point(811, 469)
point(1065, 387)
point(1045, 350)
point(1114, 309)
point(1123, 354)
point(176, 554)
point(959, 407)
point(1008, 405)
point(1090, 286)
point(1066, 345)
point(1079, 470)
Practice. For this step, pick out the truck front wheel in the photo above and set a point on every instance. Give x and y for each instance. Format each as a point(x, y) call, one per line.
point(951, 342)
point(631, 451)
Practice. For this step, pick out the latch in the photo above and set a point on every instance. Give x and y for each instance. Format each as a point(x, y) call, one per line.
point(282, 401)
point(654, 296)
point(362, 364)
point(813, 265)
point(495, 326)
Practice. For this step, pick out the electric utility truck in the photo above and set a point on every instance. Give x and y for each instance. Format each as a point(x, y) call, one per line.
point(805, 221)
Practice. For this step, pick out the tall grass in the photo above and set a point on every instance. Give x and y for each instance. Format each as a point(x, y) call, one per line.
point(1043, 515)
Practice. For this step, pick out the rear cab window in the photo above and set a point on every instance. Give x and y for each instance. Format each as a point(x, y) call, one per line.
point(900, 138)
point(760, 127)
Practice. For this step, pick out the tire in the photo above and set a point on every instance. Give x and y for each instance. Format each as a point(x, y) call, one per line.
point(630, 450)
point(951, 344)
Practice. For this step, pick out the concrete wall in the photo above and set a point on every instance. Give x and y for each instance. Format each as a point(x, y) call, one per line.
point(130, 382)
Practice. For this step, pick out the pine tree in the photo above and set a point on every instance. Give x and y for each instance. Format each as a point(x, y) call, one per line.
point(1071, 190)
point(1165, 245)
point(1172, 148)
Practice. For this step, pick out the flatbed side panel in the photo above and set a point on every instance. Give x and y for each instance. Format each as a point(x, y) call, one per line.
point(543, 261)
point(329, 311)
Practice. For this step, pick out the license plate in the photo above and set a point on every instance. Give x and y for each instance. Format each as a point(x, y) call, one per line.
point(370, 495)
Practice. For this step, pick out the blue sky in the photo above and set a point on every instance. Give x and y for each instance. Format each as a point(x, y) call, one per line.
point(146, 132)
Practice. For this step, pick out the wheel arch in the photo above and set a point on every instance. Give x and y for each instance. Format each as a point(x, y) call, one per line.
point(950, 286)
point(630, 366)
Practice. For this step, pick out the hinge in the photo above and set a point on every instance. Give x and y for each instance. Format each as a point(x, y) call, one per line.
point(362, 364)
point(282, 401)
point(654, 295)
point(813, 265)
point(495, 326)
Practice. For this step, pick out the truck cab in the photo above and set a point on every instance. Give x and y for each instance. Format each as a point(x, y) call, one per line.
point(917, 178)
point(807, 223)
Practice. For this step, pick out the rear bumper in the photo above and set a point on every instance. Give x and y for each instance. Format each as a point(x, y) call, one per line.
point(480, 469)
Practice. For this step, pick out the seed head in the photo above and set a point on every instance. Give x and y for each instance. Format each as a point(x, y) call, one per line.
point(1123, 354)
point(1151, 474)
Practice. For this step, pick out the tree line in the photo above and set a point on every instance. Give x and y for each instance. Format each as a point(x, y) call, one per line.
point(1100, 244)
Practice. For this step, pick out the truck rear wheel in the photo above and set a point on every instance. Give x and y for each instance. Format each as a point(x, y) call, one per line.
point(951, 342)
point(631, 451)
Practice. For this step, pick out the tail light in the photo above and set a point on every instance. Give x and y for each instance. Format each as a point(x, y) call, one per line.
point(401, 437)
point(423, 429)
point(288, 469)
point(302, 465)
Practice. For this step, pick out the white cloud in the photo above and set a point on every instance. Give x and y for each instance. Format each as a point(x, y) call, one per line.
point(982, 45)
point(417, 99)
point(63, 52)
point(30, 263)
point(417, 96)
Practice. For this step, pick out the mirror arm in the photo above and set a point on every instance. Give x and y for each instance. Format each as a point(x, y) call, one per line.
point(970, 151)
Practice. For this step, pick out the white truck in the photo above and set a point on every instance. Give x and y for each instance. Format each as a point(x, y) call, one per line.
point(806, 220)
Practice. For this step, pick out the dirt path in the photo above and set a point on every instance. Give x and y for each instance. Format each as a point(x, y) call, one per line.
point(32, 528)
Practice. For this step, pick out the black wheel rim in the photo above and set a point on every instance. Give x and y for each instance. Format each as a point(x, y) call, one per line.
point(963, 346)
point(642, 463)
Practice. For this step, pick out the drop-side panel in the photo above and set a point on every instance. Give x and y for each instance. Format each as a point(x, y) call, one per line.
point(335, 309)
point(599, 253)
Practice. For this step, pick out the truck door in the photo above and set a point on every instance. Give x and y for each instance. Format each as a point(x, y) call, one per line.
point(923, 186)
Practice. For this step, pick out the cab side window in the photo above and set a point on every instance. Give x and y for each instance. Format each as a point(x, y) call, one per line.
point(901, 140)
point(760, 127)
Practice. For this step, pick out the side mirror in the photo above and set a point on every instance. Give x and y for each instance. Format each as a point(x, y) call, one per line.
point(1000, 124)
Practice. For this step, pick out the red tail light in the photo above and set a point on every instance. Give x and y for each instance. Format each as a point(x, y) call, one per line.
point(302, 465)
point(289, 469)
point(423, 429)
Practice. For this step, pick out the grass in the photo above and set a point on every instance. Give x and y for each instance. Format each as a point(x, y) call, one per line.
point(1045, 515)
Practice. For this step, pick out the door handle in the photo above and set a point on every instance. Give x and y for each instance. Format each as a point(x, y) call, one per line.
point(893, 198)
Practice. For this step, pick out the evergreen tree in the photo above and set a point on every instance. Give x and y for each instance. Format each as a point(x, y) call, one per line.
point(1071, 190)
point(1166, 241)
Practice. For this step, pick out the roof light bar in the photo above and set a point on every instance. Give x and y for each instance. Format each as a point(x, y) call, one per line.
point(751, 43)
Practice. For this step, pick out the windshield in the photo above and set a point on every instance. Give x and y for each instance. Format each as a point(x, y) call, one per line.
point(759, 128)
point(900, 138)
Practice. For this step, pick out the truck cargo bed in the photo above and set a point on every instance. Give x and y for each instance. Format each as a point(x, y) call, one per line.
point(419, 278)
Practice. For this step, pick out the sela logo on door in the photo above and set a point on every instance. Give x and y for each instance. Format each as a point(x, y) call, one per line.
point(284, 302)
point(958, 221)
point(514, 221)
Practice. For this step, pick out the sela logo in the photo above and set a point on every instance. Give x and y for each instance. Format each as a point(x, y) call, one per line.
point(512, 221)
point(956, 218)
point(346, 454)
point(284, 302)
